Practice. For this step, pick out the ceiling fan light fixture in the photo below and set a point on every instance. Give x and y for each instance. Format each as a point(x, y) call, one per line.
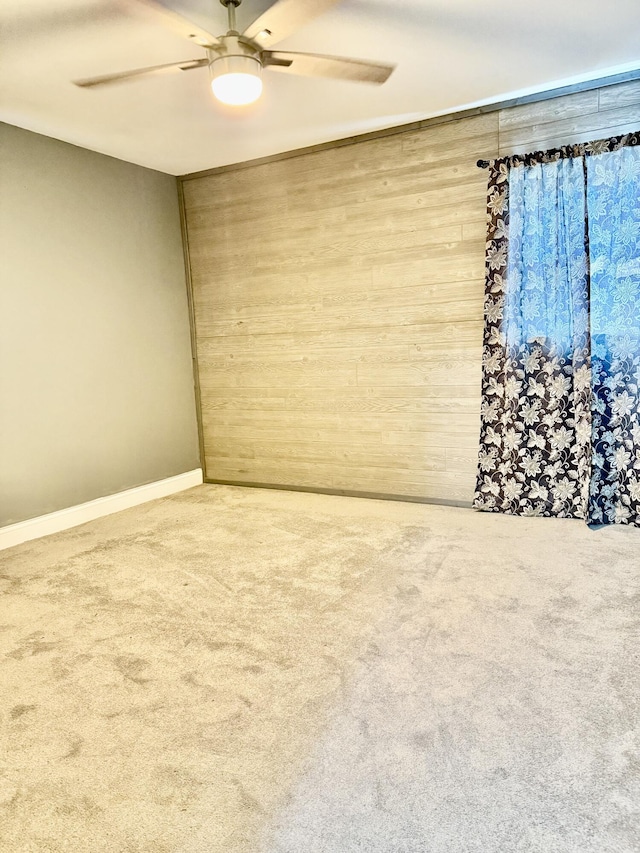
point(236, 80)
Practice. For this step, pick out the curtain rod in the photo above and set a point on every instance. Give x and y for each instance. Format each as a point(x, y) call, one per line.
point(579, 149)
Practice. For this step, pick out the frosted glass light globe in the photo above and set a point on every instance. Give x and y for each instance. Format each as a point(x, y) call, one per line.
point(236, 80)
point(237, 89)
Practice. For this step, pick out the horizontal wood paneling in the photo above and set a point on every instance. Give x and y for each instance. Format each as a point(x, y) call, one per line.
point(623, 95)
point(338, 476)
point(583, 117)
point(338, 301)
point(569, 107)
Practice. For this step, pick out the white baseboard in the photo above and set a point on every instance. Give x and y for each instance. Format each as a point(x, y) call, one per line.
point(53, 522)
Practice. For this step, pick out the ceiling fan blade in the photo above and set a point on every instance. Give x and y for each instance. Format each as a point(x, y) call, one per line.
point(316, 65)
point(122, 76)
point(284, 18)
point(171, 19)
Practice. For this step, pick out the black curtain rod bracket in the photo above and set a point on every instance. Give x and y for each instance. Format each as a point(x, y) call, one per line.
point(483, 164)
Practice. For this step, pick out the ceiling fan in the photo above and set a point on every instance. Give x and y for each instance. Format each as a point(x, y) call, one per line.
point(236, 60)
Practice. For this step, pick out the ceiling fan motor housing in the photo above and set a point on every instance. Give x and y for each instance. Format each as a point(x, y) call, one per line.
point(234, 56)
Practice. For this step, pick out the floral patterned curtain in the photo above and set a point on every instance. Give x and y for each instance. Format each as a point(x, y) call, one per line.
point(613, 201)
point(560, 432)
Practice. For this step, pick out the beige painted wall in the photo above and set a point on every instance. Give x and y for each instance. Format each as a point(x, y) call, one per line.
point(96, 390)
point(338, 301)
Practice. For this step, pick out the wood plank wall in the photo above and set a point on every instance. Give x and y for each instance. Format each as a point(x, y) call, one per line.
point(338, 301)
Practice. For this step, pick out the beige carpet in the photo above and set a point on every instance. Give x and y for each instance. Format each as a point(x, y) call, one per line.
point(250, 671)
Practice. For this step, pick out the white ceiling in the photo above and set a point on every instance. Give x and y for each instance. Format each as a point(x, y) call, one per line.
point(450, 54)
